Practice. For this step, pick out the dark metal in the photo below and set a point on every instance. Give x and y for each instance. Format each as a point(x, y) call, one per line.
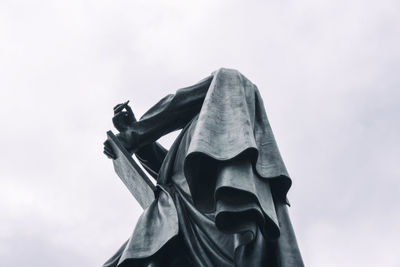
point(221, 188)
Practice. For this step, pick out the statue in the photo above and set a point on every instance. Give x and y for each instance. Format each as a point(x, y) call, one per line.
point(220, 198)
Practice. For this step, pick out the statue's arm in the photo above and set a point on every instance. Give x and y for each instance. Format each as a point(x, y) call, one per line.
point(172, 112)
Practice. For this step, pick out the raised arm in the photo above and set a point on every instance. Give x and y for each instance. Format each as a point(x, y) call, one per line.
point(171, 113)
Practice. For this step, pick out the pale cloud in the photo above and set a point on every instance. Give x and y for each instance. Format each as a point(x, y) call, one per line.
point(328, 73)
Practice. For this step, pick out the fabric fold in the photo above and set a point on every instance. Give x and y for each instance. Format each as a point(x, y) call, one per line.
point(156, 226)
point(241, 194)
point(233, 121)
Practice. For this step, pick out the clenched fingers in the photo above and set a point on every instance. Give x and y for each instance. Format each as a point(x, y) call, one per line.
point(108, 151)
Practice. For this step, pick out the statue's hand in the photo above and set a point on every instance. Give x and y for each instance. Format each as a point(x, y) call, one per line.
point(108, 150)
point(123, 120)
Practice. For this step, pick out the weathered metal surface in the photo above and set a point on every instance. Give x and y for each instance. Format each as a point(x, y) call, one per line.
point(221, 194)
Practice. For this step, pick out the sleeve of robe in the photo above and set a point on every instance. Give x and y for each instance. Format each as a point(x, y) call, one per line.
point(171, 113)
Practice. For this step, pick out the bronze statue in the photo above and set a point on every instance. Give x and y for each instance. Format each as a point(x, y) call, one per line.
point(221, 188)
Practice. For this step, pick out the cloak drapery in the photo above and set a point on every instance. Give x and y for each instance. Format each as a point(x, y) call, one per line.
point(222, 186)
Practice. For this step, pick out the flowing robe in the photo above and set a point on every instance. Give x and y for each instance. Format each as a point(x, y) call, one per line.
point(221, 189)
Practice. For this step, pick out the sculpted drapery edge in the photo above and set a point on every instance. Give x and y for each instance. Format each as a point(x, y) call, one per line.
point(230, 136)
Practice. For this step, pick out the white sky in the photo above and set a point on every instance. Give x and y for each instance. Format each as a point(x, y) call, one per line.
point(328, 72)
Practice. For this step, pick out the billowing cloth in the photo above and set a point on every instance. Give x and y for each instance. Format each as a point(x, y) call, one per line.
point(222, 186)
point(233, 120)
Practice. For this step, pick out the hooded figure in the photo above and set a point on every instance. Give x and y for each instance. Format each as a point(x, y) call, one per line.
point(221, 188)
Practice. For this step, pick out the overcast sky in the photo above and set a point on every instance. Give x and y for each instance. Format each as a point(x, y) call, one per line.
point(328, 71)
